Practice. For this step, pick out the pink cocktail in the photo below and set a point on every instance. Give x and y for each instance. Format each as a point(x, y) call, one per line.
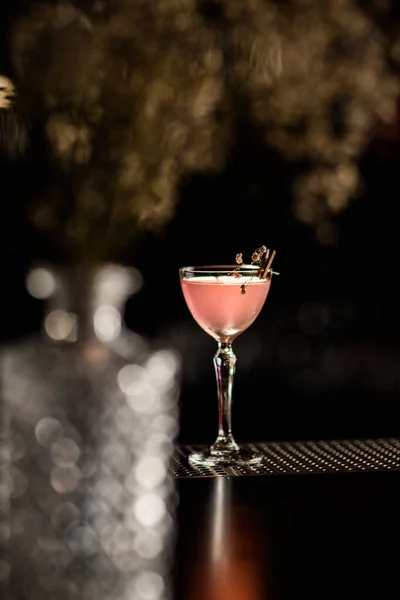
point(219, 307)
point(225, 301)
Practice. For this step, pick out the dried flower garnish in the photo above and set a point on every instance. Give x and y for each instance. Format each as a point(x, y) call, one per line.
point(239, 262)
point(262, 257)
point(239, 259)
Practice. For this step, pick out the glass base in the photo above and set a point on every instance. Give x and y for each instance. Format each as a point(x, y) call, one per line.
point(244, 456)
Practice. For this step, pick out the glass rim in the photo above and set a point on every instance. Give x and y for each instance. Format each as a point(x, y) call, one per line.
point(227, 269)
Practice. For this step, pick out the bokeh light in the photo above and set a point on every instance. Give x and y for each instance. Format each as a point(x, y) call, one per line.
point(149, 509)
point(59, 325)
point(48, 430)
point(40, 283)
point(107, 323)
point(133, 380)
point(149, 586)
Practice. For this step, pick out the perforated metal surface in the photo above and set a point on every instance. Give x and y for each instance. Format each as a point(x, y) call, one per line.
point(301, 457)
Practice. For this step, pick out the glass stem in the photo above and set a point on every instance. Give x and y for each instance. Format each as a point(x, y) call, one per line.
point(225, 367)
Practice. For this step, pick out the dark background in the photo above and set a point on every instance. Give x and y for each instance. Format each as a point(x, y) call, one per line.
point(322, 358)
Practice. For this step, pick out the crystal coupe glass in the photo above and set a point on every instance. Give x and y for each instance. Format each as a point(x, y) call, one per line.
point(225, 300)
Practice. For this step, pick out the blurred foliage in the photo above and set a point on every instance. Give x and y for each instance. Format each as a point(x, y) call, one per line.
point(133, 96)
point(127, 96)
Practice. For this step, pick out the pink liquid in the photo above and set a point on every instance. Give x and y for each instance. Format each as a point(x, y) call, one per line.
point(220, 308)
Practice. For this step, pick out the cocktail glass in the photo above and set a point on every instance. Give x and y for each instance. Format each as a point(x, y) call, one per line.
point(225, 300)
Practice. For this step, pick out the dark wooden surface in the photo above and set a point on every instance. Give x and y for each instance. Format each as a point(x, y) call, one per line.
point(288, 537)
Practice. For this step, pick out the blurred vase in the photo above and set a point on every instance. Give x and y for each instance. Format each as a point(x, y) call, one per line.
point(86, 501)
